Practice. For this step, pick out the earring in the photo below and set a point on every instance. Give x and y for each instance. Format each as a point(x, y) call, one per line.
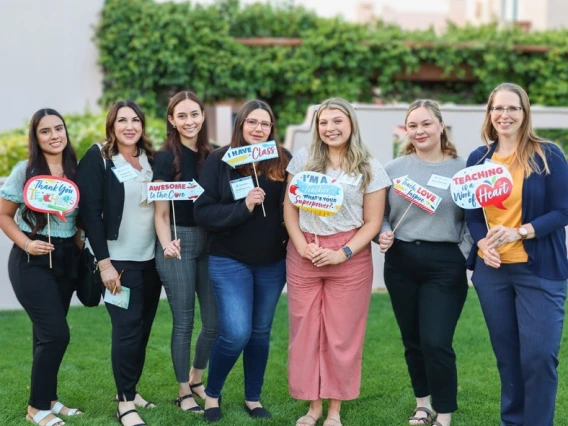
point(173, 126)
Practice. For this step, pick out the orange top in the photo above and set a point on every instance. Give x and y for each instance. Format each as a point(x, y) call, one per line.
point(511, 218)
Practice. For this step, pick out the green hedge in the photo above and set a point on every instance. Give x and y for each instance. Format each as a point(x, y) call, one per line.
point(84, 131)
point(148, 51)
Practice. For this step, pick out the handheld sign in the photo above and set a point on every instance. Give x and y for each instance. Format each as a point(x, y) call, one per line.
point(174, 191)
point(51, 195)
point(416, 194)
point(484, 185)
point(316, 193)
point(250, 153)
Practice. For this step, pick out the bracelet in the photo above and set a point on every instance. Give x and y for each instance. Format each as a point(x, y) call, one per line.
point(26, 247)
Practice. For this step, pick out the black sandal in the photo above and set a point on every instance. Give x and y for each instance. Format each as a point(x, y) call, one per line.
point(179, 399)
point(196, 385)
point(430, 415)
point(120, 416)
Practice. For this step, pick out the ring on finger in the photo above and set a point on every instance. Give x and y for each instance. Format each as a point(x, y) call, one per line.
point(500, 240)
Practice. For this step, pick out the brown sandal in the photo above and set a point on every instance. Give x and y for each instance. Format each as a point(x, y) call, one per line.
point(430, 415)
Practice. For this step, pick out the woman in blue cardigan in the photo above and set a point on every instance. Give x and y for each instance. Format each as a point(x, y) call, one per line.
point(520, 264)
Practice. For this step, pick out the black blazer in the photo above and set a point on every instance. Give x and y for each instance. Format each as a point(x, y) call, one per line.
point(101, 200)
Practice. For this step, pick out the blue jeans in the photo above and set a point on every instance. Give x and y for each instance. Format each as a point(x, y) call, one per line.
point(246, 297)
point(524, 315)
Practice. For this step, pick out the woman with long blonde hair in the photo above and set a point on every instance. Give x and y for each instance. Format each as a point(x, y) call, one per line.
point(328, 303)
point(520, 263)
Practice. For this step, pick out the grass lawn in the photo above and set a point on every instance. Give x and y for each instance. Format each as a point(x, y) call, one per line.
point(386, 396)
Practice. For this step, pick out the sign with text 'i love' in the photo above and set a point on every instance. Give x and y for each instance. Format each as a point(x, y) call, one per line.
point(416, 194)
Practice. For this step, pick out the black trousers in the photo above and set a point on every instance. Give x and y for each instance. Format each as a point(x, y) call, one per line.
point(45, 294)
point(131, 327)
point(427, 284)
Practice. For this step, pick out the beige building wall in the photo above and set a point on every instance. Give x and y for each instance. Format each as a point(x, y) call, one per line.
point(48, 58)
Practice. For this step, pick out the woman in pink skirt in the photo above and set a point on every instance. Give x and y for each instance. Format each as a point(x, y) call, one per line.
point(329, 265)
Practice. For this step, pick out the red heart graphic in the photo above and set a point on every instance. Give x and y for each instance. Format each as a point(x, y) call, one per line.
point(487, 195)
point(176, 194)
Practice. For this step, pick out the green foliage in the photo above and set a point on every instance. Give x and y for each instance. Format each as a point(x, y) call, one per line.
point(149, 51)
point(84, 131)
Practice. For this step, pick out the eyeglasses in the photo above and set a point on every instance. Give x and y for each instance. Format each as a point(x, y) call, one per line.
point(252, 123)
point(511, 110)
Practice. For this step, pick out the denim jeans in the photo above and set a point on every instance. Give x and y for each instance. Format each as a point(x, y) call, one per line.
point(246, 297)
point(524, 315)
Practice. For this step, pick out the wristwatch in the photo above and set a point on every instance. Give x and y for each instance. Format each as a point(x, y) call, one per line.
point(523, 232)
point(347, 251)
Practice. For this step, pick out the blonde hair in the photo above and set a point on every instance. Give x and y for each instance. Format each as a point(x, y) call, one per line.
point(447, 147)
point(357, 156)
point(529, 143)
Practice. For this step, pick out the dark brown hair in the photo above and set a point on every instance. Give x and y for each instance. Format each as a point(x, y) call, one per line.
point(275, 168)
point(173, 139)
point(110, 148)
point(37, 165)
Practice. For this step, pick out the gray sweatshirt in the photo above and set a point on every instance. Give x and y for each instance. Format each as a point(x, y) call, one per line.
point(447, 224)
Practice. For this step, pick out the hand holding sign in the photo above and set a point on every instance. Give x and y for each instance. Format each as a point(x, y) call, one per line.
point(488, 184)
point(417, 195)
point(174, 191)
point(316, 193)
point(250, 154)
point(51, 195)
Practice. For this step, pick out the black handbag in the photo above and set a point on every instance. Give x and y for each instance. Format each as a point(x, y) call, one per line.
point(89, 283)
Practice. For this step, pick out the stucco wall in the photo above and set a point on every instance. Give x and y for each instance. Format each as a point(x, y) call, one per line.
point(48, 58)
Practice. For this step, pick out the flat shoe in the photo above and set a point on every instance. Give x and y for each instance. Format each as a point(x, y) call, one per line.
point(126, 413)
point(58, 406)
point(306, 420)
point(332, 422)
point(42, 414)
point(212, 415)
point(424, 420)
point(179, 400)
point(258, 413)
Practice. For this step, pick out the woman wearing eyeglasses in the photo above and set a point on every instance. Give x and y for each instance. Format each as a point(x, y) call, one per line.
point(247, 266)
point(520, 263)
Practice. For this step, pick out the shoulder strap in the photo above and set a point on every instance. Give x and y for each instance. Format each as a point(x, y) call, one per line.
point(100, 145)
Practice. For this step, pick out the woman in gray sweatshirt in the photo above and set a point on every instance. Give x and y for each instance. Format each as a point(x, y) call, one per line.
point(426, 249)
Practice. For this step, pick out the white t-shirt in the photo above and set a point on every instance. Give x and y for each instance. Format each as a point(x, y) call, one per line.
point(350, 215)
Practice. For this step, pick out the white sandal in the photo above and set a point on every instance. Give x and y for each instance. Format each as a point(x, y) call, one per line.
point(42, 414)
point(58, 406)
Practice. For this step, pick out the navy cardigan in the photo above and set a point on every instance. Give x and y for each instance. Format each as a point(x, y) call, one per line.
point(544, 206)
